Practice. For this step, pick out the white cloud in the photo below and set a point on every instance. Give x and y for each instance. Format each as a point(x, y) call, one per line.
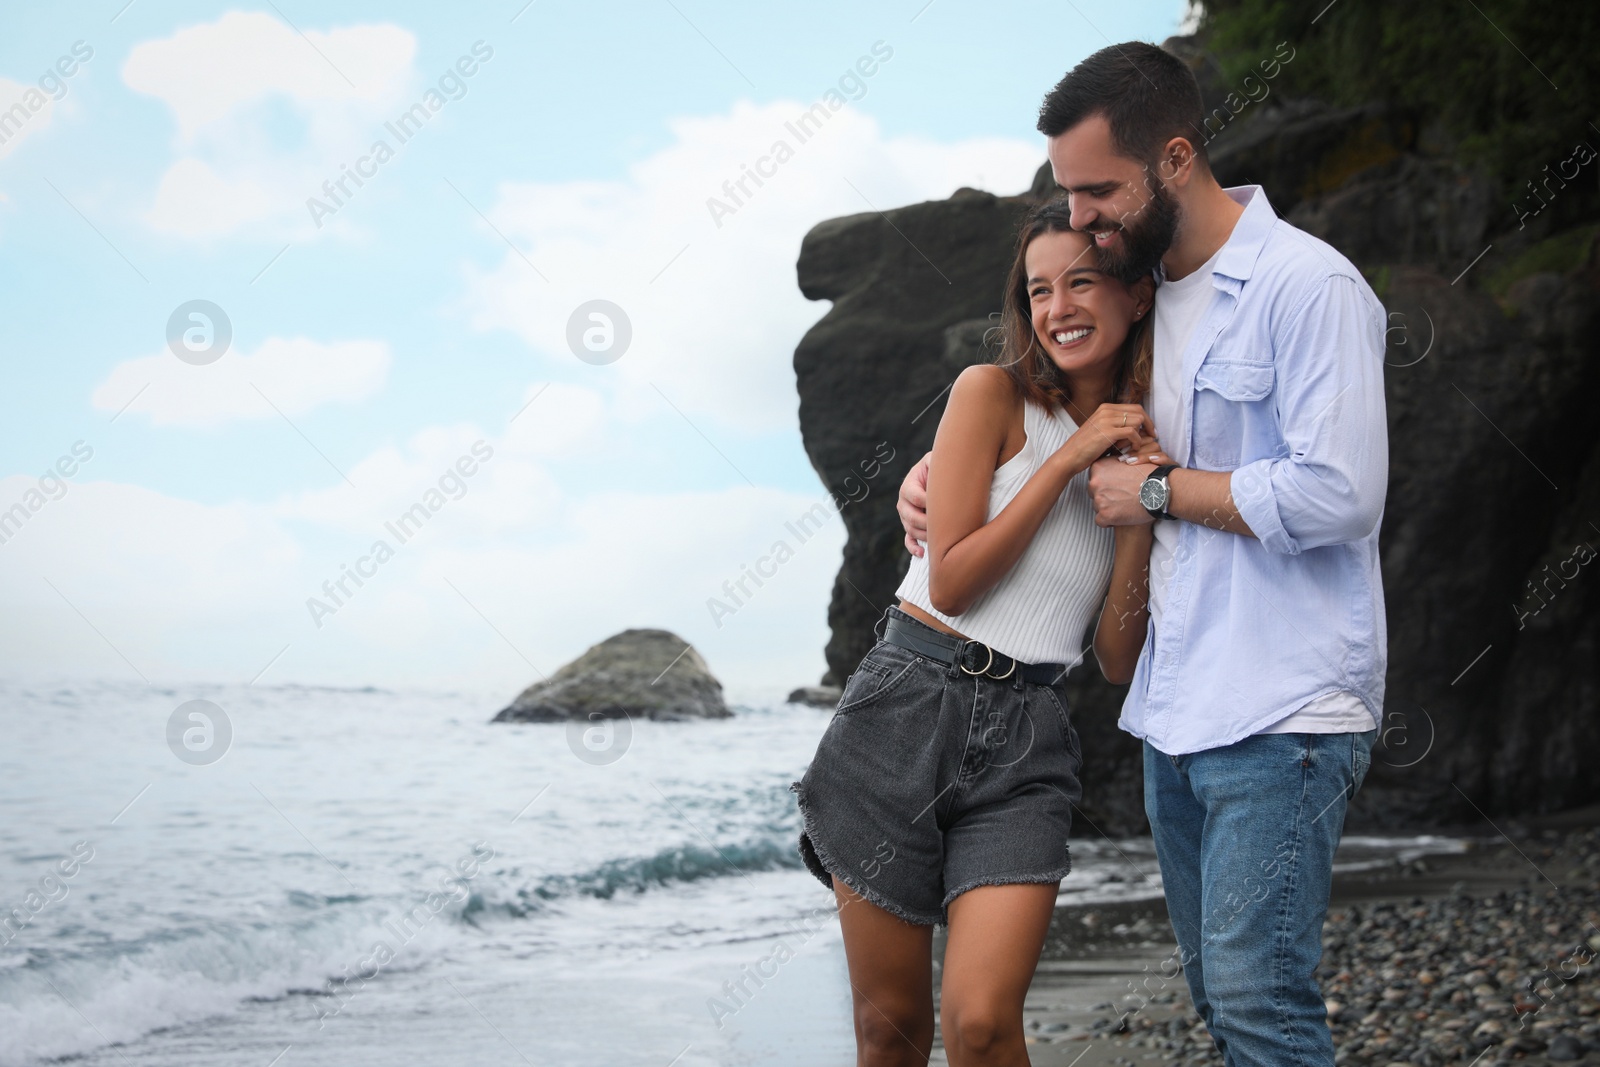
point(184, 589)
point(193, 200)
point(513, 491)
point(221, 79)
point(205, 73)
point(714, 309)
point(155, 576)
point(656, 560)
point(293, 374)
point(24, 111)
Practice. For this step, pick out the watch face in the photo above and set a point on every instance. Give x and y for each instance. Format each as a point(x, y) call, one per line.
point(1153, 494)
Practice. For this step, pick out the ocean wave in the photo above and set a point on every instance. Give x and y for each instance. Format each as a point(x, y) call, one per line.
point(59, 1005)
point(182, 975)
point(676, 864)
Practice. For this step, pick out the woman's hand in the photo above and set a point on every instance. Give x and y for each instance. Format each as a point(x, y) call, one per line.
point(1124, 427)
point(913, 505)
point(1150, 452)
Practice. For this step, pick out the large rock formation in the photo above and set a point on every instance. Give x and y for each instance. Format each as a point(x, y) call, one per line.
point(650, 674)
point(1493, 514)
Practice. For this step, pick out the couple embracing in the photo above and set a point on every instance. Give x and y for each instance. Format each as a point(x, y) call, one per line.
point(1183, 445)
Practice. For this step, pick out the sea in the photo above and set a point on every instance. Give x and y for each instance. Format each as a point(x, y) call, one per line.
point(295, 876)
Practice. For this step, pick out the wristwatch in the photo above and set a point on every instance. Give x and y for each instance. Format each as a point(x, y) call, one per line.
point(1155, 492)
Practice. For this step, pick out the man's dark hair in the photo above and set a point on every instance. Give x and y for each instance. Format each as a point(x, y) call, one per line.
point(1147, 94)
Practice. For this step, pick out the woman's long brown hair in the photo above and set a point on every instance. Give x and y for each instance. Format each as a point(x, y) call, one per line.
point(1035, 374)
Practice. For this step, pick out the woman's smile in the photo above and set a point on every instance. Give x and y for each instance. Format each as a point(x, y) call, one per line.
point(1071, 338)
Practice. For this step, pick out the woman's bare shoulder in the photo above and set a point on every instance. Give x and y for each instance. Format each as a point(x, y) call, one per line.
point(987, 385)
point(984, 409)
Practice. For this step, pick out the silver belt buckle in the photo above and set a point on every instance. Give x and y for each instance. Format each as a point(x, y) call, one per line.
point(961, 658)
point(985, 670)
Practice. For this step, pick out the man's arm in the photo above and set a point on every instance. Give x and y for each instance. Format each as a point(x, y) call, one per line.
point(1330, 486)
point(1204, 497)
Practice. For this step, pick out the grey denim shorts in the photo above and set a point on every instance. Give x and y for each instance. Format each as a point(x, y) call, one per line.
point(930, 781)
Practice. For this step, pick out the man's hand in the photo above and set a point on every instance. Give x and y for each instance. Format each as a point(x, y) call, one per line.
point(913, 505)
point(1114, 488)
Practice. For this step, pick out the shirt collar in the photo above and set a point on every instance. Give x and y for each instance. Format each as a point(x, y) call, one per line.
point(1237, 257)
point(1243, 247)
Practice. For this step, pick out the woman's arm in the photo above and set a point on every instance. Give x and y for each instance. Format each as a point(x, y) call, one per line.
point(968, 555)
point(1126, 615)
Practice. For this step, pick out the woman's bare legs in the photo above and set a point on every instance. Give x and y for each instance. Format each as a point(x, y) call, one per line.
point(891, 980)
point(996, 935)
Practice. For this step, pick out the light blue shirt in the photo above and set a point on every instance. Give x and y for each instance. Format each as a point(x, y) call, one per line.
point(1282, 384)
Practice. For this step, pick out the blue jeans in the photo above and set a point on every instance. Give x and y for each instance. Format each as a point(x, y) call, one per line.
point(1245, 835)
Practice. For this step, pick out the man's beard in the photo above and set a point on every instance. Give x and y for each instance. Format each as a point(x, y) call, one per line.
point(1146, 236)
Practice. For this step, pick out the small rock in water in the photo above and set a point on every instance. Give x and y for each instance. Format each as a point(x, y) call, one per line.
point(817, 696)
point(647, 674)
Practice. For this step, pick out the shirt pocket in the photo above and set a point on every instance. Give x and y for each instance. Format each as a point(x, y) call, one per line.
point(1232, 398)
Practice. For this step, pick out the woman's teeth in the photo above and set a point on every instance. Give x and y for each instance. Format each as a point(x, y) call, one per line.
point(1066, 337)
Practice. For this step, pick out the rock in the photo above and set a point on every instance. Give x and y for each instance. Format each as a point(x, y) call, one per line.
point(817, 696)
point(1299, 148)
point(1494, 638)
point(650, 674)
point(1406, 210)
point(1565, 1047)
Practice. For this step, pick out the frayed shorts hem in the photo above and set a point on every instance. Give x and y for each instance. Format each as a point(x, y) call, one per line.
point(1007, 879)
point(821, 863)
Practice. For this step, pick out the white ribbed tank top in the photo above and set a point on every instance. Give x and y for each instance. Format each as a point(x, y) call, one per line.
point(1041, 609)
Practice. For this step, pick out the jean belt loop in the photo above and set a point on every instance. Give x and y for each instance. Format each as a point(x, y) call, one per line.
point(877, 627)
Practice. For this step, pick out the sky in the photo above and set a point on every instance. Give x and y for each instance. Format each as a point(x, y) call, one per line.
point(416, 347)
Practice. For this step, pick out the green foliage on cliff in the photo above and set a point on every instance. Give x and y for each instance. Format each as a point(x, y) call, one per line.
point(1557, 255)
point(1511, 83)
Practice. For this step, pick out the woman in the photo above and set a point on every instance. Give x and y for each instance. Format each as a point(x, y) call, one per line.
point(943, 788)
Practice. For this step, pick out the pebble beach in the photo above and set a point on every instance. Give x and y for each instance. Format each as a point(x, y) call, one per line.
point(1486, 956)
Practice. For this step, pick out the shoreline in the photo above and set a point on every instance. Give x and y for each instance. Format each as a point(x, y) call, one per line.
point(1426, 961)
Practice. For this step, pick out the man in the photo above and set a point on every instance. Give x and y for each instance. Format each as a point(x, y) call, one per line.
point(1260, 685)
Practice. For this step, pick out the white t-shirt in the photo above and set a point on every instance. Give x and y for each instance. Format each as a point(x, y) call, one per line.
point(1180, 305)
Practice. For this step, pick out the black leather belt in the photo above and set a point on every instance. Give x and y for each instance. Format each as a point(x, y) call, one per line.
point(973, 657)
